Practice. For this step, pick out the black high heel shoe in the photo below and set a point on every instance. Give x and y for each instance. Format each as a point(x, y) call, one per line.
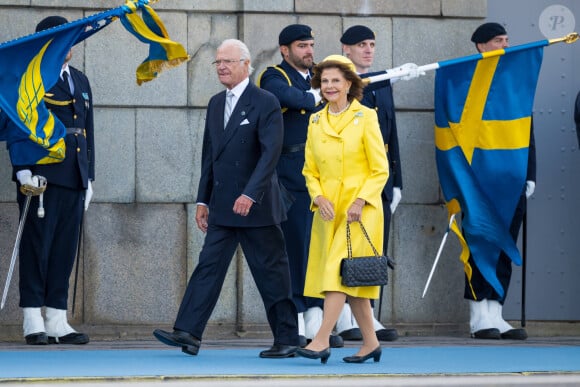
point(376, 355)
point(309, 354)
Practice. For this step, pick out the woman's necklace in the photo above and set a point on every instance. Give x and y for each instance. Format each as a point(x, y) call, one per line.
point(339, 112)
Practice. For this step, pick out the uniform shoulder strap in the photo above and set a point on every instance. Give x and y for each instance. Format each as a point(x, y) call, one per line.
point(276, 67)
point(281, 70)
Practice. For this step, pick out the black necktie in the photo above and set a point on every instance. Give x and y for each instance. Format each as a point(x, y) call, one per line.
point(67, 82)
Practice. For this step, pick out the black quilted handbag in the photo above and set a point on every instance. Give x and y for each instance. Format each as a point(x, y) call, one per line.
point(363, 271)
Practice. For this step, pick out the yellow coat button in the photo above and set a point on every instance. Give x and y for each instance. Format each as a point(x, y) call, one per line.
point(78, 150)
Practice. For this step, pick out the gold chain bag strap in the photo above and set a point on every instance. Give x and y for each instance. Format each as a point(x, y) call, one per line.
point(363, 271)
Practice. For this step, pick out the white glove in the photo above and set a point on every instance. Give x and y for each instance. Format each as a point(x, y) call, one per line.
point(411, 69)
point(316, 94)
point(25, 178)
point(396, 199)
point(88, 195)
point(530, 188)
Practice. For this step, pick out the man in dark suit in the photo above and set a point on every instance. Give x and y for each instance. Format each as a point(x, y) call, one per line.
point(49, 244)
point(486, 320)
point(239, 201)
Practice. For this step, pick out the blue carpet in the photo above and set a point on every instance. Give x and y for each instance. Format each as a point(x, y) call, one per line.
point(245, 362)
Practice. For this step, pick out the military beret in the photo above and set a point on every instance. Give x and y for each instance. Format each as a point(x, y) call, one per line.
point(294, 32)
point(486, 32)
point(49, 22)
point(356, 34)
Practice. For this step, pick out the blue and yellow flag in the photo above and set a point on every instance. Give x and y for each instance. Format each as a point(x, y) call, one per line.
point(483, 108)
point(29, 66)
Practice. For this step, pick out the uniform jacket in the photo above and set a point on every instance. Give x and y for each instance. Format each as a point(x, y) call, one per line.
point(531, 172)
point(577, 117)
point(241, 159)
point(343, 162)
point(297, 105)
point(74, 111)
point(380, 98)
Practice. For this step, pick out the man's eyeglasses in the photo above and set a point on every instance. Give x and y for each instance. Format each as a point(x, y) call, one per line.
point(227, 62)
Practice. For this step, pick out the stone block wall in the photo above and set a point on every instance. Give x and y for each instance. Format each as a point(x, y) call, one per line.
point(140, 240)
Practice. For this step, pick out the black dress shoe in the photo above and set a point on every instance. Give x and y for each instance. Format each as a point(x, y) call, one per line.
point(515, 334)
point(71, 338)
point(302, 341)
point(189, 344)
point(278, 351)
point(39, 338)
point(487, 334)
point(376, 355)
point(387, 334)
point(353, 334)
point(310, 354)
point(336, 341)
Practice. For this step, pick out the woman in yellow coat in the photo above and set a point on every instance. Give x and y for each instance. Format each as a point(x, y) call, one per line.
point(346, 169)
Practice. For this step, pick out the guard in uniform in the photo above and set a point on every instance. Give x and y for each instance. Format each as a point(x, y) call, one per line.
point(49, 244)
point(290, 83)
point(358, 44)
point(485, 304)
point(577, 117)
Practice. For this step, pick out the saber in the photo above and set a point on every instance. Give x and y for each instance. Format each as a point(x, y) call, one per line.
point(438, 255)
point(29, 191)
point(400, 72)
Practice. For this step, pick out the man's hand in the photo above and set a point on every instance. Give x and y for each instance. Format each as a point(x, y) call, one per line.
point(316, 94)
point(201, 215)
point(242, 205)
point(25, 178)
point(411, 71)
point(530, 188)
point(88, 195)
point(397, 195)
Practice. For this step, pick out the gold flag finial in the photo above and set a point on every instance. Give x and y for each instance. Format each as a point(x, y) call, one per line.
point(570, 38)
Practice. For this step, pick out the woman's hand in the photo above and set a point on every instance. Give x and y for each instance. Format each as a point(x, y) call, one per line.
point(355, 210)
point(325, 207)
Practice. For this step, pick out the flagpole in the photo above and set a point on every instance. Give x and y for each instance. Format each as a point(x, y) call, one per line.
point(398, 72)
point(438, 255)
point(524, 263)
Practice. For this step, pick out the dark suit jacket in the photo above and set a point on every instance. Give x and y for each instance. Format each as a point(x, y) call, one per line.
point(74, 111)
point(242, 159)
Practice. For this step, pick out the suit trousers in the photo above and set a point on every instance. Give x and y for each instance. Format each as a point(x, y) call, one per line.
point(265, 252)
point(483, 290)
point(48, 247)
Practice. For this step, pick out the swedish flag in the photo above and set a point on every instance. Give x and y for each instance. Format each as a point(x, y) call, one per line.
point(483, 108)
point(31, 65)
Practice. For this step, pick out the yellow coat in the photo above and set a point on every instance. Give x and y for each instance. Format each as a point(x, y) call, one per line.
point(343, 162)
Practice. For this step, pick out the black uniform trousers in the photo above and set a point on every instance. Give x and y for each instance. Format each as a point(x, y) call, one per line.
point(483, 290)
point(297, 229)
point(47, 254)
point(268, 262)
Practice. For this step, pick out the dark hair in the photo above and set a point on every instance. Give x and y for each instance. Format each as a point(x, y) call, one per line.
point(356, 87)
